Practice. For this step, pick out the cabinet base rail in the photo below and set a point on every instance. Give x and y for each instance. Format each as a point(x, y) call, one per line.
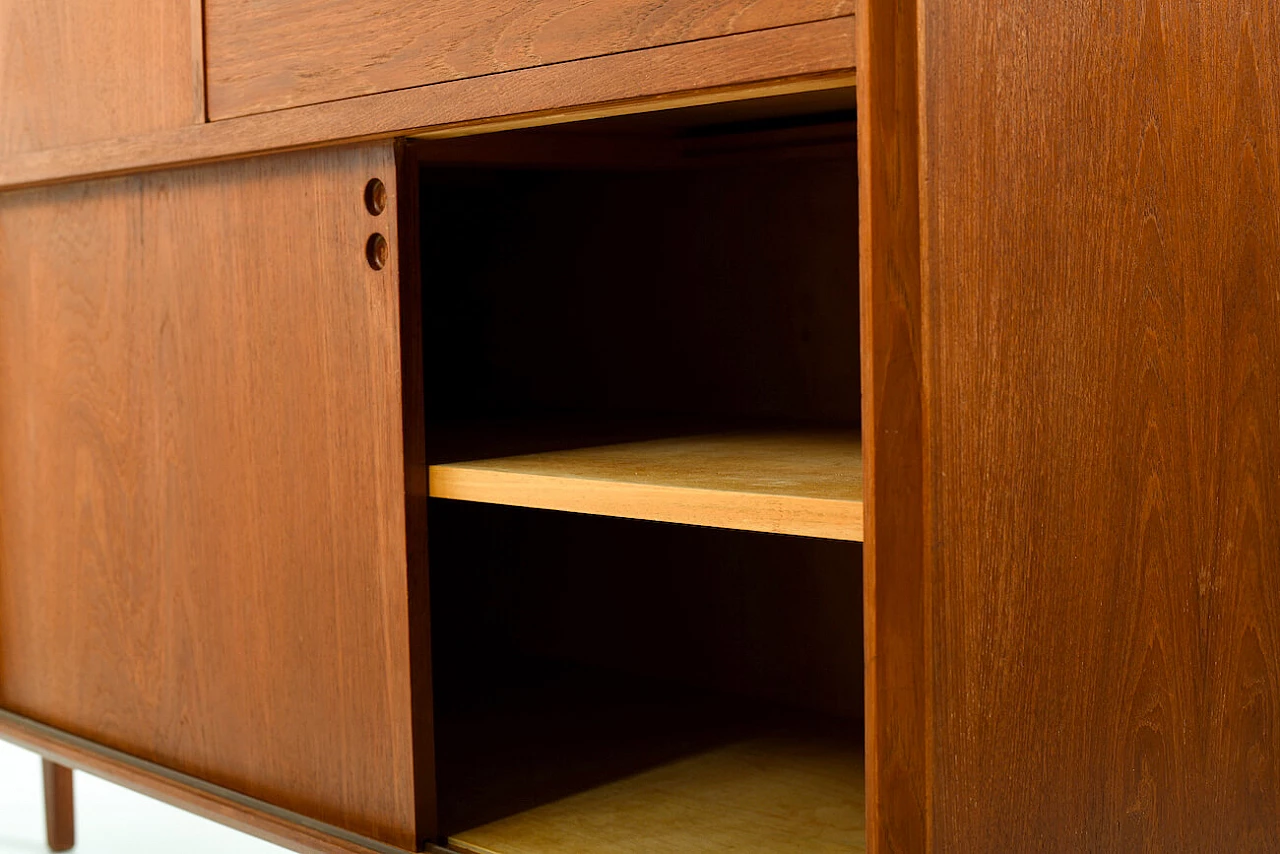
point(240, 812)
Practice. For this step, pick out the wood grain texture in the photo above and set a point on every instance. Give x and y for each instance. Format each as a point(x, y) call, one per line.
point(803, 57)
point(802, 482)
point(202, 488)
point(265, 55)
point(1102, 366)
point(59, 806)
point(894, 557)
point(82, 71)
point(764, 794)
point(291, 831)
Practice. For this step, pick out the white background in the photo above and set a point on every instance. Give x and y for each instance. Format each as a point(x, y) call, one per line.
point(109, 819)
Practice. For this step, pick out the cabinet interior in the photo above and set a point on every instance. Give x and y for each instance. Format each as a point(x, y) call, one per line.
point(609, 685)
point(628, 323)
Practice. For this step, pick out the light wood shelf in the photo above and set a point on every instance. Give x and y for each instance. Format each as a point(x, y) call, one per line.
point(804, 482)
point(767, 794)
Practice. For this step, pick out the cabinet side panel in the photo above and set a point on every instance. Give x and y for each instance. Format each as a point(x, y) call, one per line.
point(1103, 220)
point(202, 484)
point(892, 429)
point(78, 71)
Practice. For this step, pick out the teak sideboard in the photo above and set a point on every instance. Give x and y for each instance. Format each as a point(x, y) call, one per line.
point(536, 426)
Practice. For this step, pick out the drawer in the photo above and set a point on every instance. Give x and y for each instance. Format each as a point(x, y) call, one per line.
point(263, 55)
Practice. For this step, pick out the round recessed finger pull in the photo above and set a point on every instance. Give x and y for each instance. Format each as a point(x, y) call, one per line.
point(376, 251)
point(375, 196)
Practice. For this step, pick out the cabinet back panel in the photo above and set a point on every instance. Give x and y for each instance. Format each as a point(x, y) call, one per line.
point(728, 291)
point(764, 616)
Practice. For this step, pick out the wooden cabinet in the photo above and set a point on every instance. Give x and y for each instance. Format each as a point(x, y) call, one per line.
point(78, 71)
point(717, 458)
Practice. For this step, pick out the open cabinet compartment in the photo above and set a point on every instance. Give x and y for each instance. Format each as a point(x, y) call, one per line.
point(655, 319)
point(608, 685)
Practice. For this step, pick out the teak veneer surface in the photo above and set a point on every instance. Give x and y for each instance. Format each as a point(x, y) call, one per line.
point(265, 55)
point(202, 484)
point(804, 482)
point(1100, 341)
point(764, 794)
point(88, 71)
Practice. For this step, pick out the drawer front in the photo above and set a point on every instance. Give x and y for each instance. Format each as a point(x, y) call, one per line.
point(202, 496)
point(265, 55)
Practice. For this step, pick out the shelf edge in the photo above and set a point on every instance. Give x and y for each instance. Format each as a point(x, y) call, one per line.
point(822, 518)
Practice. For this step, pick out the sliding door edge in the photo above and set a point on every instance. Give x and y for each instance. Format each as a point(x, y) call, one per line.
point(414, 435)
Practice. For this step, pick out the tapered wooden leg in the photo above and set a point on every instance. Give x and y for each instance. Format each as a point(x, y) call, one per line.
point(59, 807)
